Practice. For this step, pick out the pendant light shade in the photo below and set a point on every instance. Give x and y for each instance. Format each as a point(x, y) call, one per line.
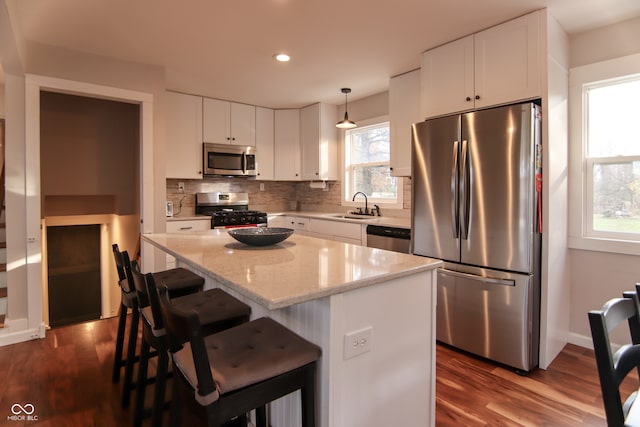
point(346, 123)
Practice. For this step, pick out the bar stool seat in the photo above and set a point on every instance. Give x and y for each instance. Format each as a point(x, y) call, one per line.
point(179, 281)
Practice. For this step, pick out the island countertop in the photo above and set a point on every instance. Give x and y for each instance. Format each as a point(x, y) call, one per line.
point(298, 270)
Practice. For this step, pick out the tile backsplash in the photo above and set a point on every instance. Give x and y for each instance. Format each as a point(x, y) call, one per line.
point(276, 196)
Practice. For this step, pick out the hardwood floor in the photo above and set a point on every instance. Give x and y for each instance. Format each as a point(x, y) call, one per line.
point(67, 379)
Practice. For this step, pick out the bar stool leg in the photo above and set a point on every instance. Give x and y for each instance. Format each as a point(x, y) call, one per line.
point(261, 417)
point(138, 411)
point(131, 356)
point(118, 361)
point(159, 394)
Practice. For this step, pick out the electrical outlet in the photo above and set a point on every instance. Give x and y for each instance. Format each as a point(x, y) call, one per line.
point(357, 342)
point(181, 186)
point(262, 186)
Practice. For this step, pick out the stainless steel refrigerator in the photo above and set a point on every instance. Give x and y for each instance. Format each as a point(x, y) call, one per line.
point(476, 205)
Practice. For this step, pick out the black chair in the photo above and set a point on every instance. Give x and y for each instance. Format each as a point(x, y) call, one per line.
point(180, 281)
point(216, 309)
point(228, 374)
point(613, 367)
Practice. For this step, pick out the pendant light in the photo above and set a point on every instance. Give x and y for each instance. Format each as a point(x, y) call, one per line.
point(345, 123)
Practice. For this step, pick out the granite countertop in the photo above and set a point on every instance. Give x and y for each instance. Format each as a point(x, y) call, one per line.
point(297, 270)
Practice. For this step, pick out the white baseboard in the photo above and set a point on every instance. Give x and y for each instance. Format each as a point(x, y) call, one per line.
point(581, 340)
point(15, 331)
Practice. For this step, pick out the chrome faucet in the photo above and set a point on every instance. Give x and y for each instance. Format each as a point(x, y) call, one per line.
point(366, 208)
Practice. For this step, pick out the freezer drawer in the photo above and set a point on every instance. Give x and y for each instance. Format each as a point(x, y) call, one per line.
point(489, 313)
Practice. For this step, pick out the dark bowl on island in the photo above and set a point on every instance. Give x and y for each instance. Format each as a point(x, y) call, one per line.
point(260, 236)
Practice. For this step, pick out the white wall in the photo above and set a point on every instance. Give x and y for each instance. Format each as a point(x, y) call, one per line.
point(598, 276)
point(1, 101)
point(88, 71)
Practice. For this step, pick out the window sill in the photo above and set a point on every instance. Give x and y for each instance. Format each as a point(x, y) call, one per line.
point(625, 247)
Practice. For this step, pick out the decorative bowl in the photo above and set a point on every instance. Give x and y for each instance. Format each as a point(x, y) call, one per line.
point(260, 236)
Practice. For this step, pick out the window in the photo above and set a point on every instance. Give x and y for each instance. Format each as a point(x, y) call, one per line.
point(367, 151)
point(613, 159)
point(605, 156)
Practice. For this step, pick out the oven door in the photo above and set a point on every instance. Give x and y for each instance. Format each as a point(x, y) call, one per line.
point(228, 160)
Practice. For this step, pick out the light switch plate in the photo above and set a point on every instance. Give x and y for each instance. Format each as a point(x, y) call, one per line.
point(357, 342)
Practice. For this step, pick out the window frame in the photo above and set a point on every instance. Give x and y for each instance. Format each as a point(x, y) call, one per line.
point(581, 233)
point(346, 199)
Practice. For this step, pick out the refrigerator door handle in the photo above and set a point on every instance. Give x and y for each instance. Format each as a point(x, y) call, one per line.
point(455, 200)
point(465, 191)
point(484, 279)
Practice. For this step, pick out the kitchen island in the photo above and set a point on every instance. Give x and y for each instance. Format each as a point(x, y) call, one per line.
point(371, 311)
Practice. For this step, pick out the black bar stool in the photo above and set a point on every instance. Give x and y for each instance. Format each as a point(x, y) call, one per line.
point(180, 281)
point(228, 374)
point(217, 311)
point(614, 366)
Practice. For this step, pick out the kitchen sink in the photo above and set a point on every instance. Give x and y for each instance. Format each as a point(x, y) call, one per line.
point(351, 216)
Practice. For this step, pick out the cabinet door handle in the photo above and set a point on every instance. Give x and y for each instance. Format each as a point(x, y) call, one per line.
point(468, 99)
point(477, 96)
point(185, 228)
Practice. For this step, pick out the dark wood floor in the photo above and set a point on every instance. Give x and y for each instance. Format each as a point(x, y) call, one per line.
point(67, 379)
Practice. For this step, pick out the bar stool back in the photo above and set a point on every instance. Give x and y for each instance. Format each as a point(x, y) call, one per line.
point(128, 301)
point(613, 367)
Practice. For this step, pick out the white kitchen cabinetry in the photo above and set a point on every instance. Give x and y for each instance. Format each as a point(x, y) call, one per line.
point(264, 143)
point(299, 223)
point(319, 144)
point(336, 230)
point(278, 221)
point(287, 145)
point(227, 122)
point(183, 130)
point(177, 226)
point(404, 110)
point(497, 66)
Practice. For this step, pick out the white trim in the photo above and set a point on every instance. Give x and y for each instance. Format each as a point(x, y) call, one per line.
point(579, 77)
point(34, 84)
point(17, 331)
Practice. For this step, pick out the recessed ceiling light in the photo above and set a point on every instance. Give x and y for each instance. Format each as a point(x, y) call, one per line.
point(282, 57)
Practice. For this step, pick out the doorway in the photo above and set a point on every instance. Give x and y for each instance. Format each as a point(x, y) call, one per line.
point(89, 174)
point(73, 259)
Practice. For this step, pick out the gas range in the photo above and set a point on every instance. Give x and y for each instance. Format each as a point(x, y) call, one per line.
point(228, 210)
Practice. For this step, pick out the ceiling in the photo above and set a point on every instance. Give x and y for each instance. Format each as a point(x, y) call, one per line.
point(224, 48)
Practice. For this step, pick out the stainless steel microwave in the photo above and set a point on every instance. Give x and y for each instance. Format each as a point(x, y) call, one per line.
point(228, 160)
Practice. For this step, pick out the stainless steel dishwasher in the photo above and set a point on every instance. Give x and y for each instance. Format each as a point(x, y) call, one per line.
point(390, 238)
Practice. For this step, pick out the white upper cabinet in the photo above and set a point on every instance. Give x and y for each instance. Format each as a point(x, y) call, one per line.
point(318, 140)
point(497, 66)
point(229, 122)
point(265, 143)
point(183, 130)
point(287, 145)
point(447, 78)
point(404, 110)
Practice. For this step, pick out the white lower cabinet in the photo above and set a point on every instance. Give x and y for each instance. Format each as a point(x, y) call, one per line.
point(299, 223)
point(185, 226)
point(336, 230)
point(324, 229)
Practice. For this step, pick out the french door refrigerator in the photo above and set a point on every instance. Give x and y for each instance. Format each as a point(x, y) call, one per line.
point(476, 205)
